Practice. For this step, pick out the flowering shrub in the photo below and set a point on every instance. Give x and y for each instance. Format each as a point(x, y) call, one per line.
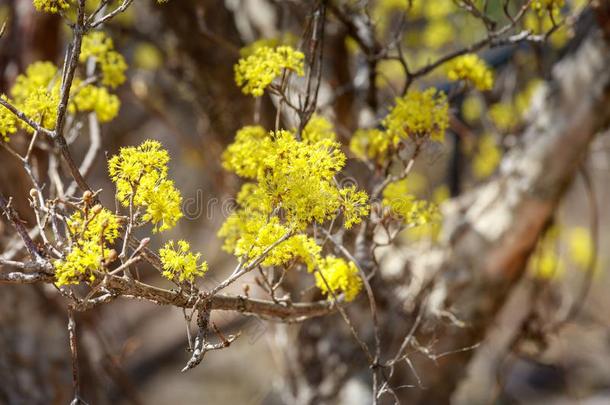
point(340, 165)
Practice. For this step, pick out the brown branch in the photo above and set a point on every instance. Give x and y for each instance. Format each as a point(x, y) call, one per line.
point(16, 222)
point(21, 115)
point(119, 286)
point(70, 64)
point(74, 352)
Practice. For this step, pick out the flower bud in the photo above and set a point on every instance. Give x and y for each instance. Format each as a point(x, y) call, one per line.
point(96, 209)
point(87, 196)
point(111, 256)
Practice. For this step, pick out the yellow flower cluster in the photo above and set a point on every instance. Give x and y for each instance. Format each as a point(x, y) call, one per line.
point(99, 46)
point(36, 93)
point(256, 71)
point(292, 186)
point(417, 115)
point(487, 158)
point(506, 115)
point(541, 22)
point(257, 234)
point(551, 6)
point(140, 175)
point(8, 121)
point(51, 6)
point(92, 232)
point(437, 14)
point(438, 32)
point(317, 129)
point(580, 246)
point(473, 69)
point(147, 56)
point(402, 203)
point(354, 204)
point(92, 98)
point(335, 275)
point(296, 176)
point(546, 263)
point(372, 144)
point(180, 263)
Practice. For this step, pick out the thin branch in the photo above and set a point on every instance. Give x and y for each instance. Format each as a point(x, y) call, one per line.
point(21, 115)
point(69, 69)
point(14, 219)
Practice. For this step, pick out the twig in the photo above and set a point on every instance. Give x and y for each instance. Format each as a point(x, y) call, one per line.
point(74, 352)
point(21, 115)
point(69, 69)
point(14, 219)
point(110, 15)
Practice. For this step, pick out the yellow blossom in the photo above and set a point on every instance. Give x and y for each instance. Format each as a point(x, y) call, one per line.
point(96, 225)
point(336, 276)
point(372, 144)
point(317, 129)
point(140, 175)
point(580, 246)
point(51, 6)
point(472, 108)
point(419, 114)
point(180, 263)
point(551, 6)
point(293, 185)
point(79, 264)
point(147, 56)
point(36, 93)
point(297, 176)
point(548, 264)
point(438, 33)
point(354, 205)
point(99, 46)
point(541, 23)
point(487, 158)
point(402, 203)
point(504, 116)
point(473, 69)
point(98, 99)
point(255, 234)
point(92, 231)
point(255, 72)
point(246, 154)
point(8, 121)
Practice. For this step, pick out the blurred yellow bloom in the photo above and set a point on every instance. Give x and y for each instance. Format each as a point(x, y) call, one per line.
point(472, 69)
point(419, 114)
point(335, 276)
point(487, 158)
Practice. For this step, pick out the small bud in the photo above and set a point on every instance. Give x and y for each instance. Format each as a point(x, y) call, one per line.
point(34, 193)
point(87, 196)
point(96, 209)
point(112, 256)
